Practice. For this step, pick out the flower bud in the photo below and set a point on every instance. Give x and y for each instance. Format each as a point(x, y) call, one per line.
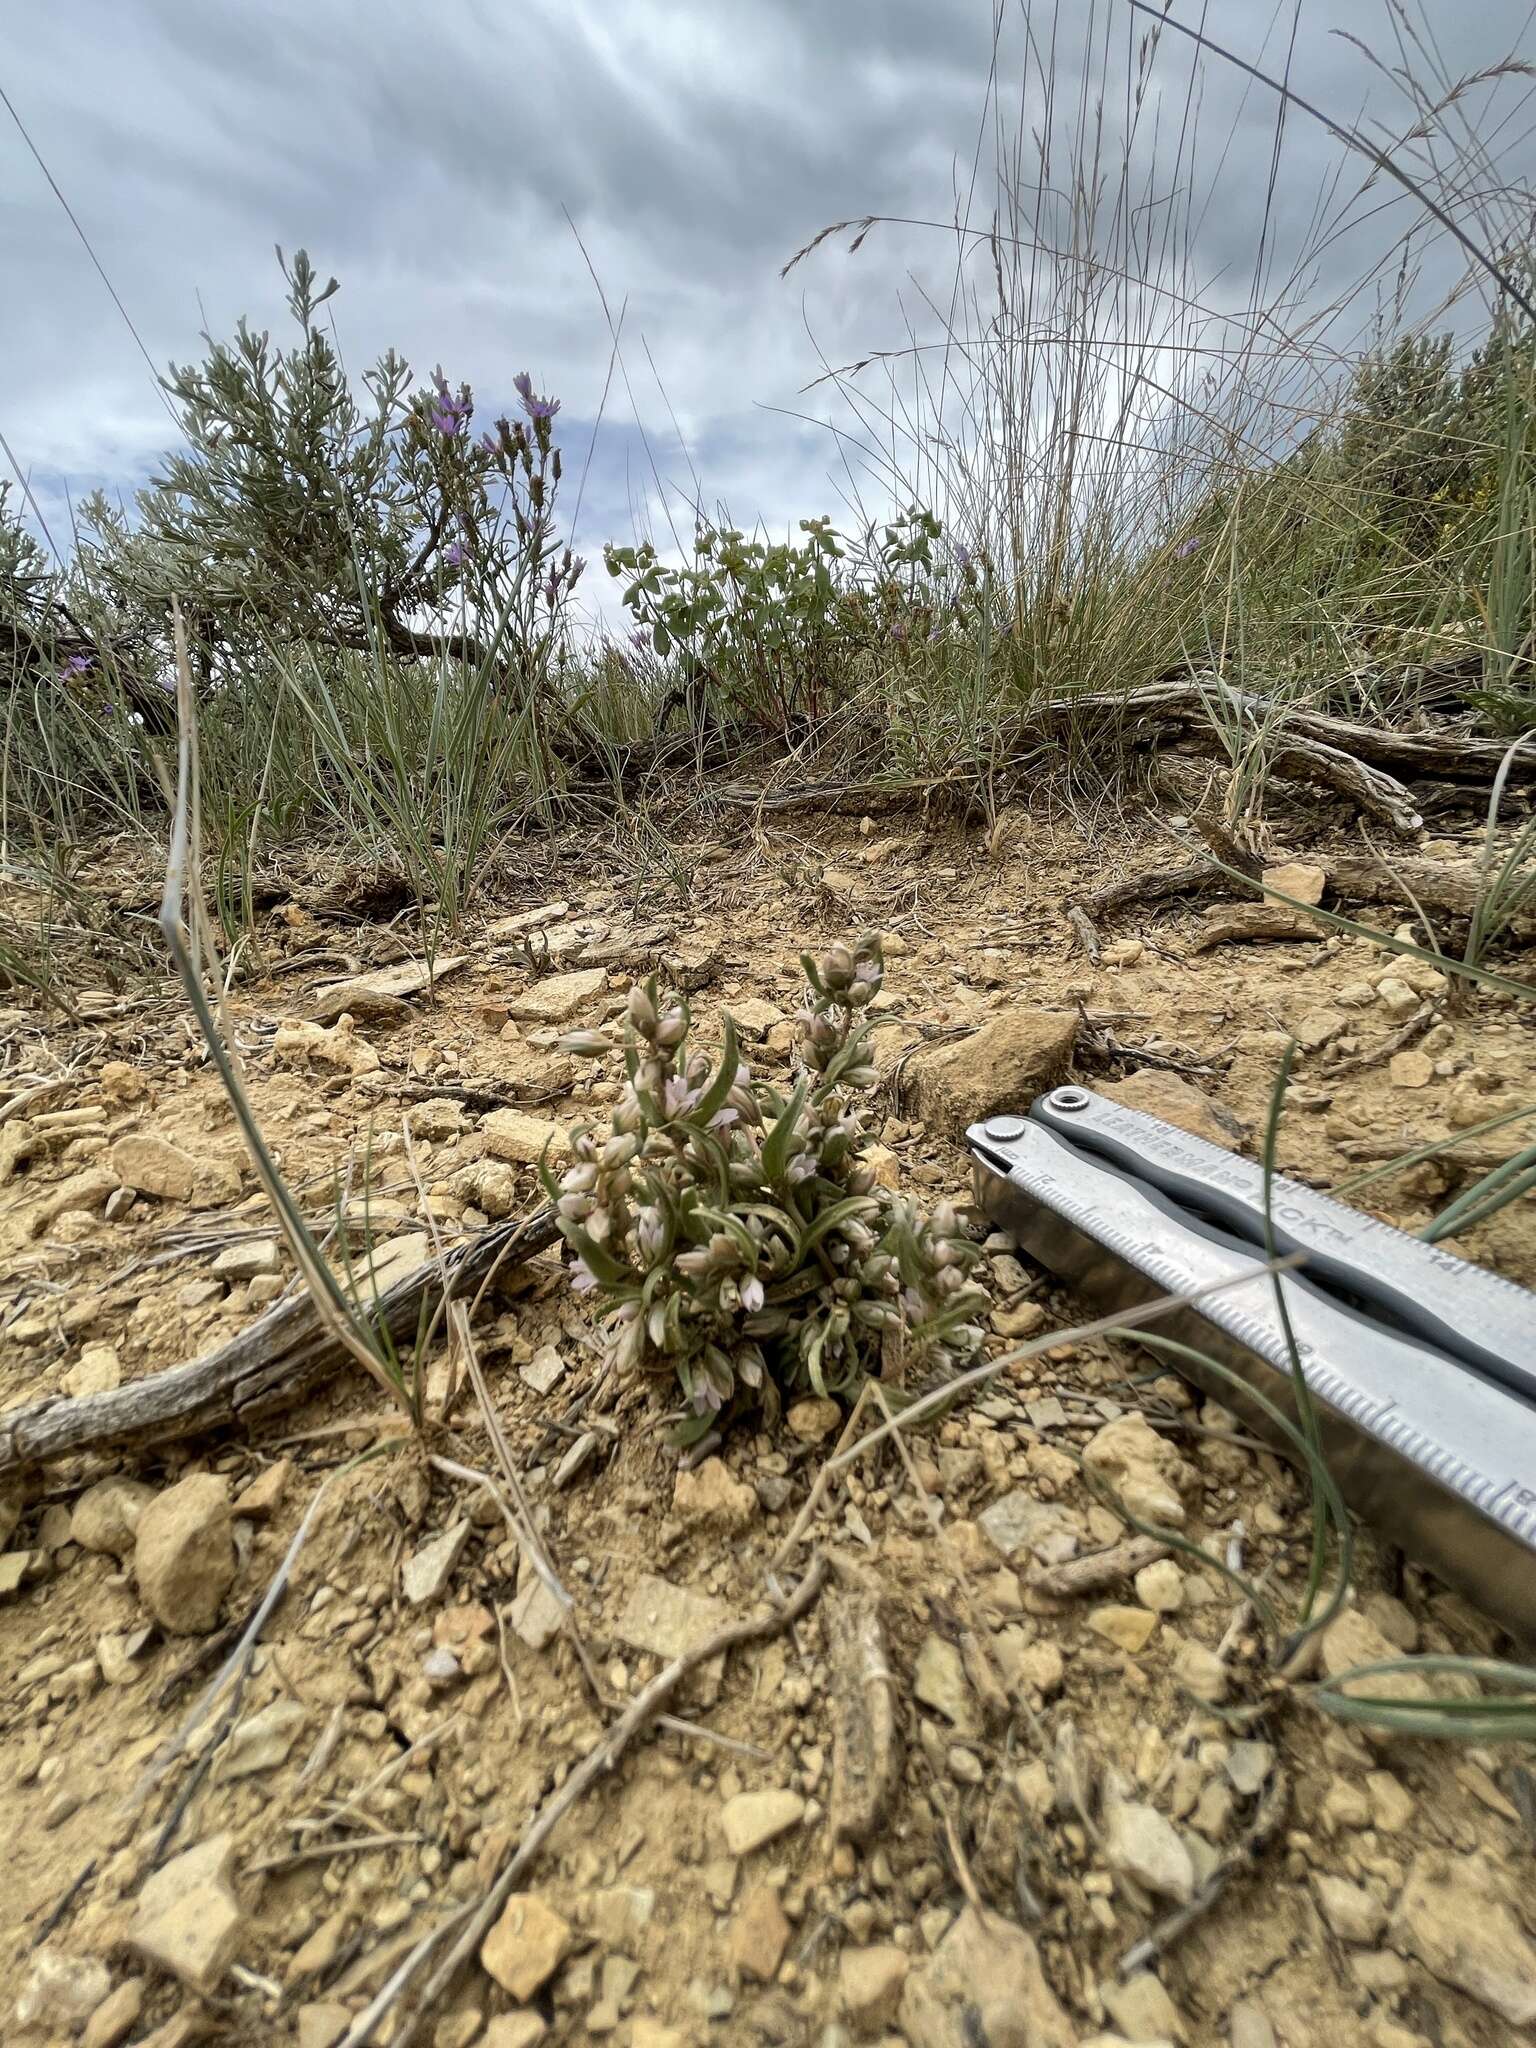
point(586, 1045)
point(642, 1012)
point(837, 966)
point(671, 1031)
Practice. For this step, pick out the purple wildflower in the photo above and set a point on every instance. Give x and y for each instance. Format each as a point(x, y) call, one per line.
point(723, 1118)
point(583, 1279)
point(448, 413)
point(76, 665)
point(706, 1396)
point(640, 638)
point(800, 1168)
point(962, 556)
point(1186, 548)
point(453, 555)
point(677, 1097)
point(536, 408)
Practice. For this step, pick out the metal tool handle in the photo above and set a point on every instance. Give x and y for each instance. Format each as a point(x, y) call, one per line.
point(1461, 1309)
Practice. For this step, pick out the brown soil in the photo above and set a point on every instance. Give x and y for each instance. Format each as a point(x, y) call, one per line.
point(985, 1811)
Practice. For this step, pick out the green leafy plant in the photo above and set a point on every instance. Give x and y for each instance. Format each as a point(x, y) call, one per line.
point(739, 1231)
point(771, 628)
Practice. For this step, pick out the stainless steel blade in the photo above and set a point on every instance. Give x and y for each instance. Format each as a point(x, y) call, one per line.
point(1427, 1291)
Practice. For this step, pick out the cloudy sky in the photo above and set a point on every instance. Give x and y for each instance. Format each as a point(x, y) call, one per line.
point(442, 162)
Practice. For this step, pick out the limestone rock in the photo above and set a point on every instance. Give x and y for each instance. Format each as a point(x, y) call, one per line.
point(1146, 1846)
point(870, 1983)
point(1158, 1093)
point(1317, 1028)
point(184, 1554)
point(1352, 1912)
point(322, 2024)
point(81, 1193)
point(61, 1990)
point(526, 1946)
point(253, 1260)
point(98, 1370)
point(1299, 880)
point(427, 1572)
point(118, 1655)
point(813, 1420)
point(1410, 1070)
point(298, 1043)
point(1023, 1319)
point(536, 1615)
point(940, 1682)
point(983, 1983)
point(1160, 1586)
point(187, 1919)
point(1200, 1671)
point(668, 1620)
point(114, 2018)
point(1249, 2026)
point(390, 1261)
point(522, 2030)
point(493, 1187)
point(753, 1818)
point(1142, 1468)
point(712, 1497)
point(1128, 1628)
point(263, 1740)
point(1002, 1066)
point(264, 1494)
point(1141, 2008)
point(1353, 1640)
point(106, 1516)
point(515, 1135)
point(759, 1934)
point(558, 997)
point(754, 1017)
point(154, 1166)
point(1020, 1522)
point(1452, 1919)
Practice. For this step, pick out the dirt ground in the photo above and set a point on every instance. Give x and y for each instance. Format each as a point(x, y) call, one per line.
point(1061, 1774)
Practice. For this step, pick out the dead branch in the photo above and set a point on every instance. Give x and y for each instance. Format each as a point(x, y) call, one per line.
point(1102, 1568)
point(1176, 708)
point(267, 1366)
point(1455, 887)
point(1195, 878)
point(1241, 924)
point(598, 1761)
point(1265, 1826)
point(1421, 1020)
point(1372, 789)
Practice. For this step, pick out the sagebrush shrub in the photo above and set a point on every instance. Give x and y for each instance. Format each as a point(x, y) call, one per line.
point(740, 1231)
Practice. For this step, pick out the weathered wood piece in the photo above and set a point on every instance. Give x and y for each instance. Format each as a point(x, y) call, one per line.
point(267, 1366)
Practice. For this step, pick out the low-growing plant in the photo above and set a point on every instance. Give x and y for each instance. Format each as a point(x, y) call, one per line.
point(740, 1231)
point(772, 628)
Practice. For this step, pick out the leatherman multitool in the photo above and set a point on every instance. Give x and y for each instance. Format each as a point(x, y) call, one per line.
point(1421, 1367)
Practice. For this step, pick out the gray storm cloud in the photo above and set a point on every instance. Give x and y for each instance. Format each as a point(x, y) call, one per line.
point(443, 161)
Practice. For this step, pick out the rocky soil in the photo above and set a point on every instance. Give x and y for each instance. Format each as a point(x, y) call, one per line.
point(980, 1795)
